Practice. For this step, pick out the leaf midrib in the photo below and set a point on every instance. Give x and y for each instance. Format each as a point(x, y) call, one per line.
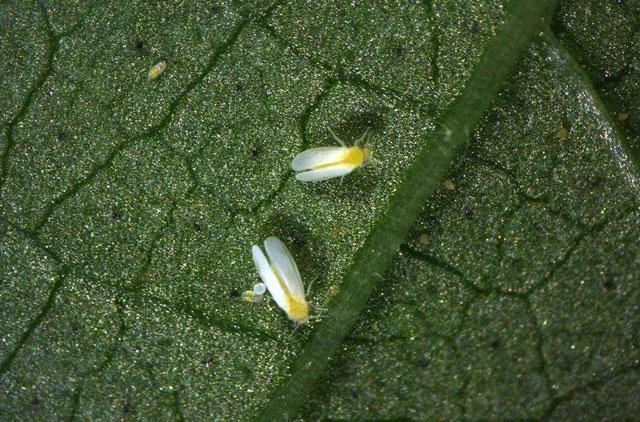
point(525, 20)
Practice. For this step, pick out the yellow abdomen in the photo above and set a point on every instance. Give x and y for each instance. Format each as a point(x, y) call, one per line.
point(355, 156)
point(297, 309)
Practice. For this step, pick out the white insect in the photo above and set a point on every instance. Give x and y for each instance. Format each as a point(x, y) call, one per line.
point(256, 294)
point(317, 164)
point(282, 278)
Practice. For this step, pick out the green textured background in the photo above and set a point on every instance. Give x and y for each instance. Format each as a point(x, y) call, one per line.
point(128, 208)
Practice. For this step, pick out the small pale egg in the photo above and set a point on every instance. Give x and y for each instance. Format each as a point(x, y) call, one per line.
point(157, 70)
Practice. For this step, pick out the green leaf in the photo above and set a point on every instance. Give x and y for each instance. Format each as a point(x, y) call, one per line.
point(420, 181)
point(516, 295)
point(128, 208)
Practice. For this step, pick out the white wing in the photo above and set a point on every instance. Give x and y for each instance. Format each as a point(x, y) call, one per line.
point(317, 156)
point(338, 170)
point(282, 259)
point(270, 279)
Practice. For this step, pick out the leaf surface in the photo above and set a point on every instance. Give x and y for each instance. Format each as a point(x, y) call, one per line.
point(128, 208)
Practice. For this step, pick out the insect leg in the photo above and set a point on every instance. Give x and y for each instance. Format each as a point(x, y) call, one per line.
point(309, 288)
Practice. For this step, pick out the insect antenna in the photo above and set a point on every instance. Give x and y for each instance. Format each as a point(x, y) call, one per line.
point(364, 135)
point(336, 137)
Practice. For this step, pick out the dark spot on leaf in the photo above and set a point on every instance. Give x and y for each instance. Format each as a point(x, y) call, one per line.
point(399, 51)
point(127, 409)
point(474, 27)
point(247, 372)
point(495, 344)
point(423, 363)
point(564, 362)
point(608, 76)
point(355, 124)
point(139, 44)
point(115, 216)
point(256, 151)
point(75, 328)
point(61, 135)
point(35, 401)
point(207, 362)
point(298, 241)
point(593, 181)
point(516, 261)
point(165, 342)
point(234, 294)
point(239, 87)
point(467, 211)
point(215, 9)
point(431, 289)
point(597, 180)
point(609, 284)
point(198, 227)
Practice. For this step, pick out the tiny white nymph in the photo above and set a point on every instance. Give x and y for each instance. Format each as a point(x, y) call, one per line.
point(282, 278)
point(256, 294)
point(317, 164)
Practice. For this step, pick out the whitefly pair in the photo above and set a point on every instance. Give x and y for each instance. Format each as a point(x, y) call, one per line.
point(278, 269)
